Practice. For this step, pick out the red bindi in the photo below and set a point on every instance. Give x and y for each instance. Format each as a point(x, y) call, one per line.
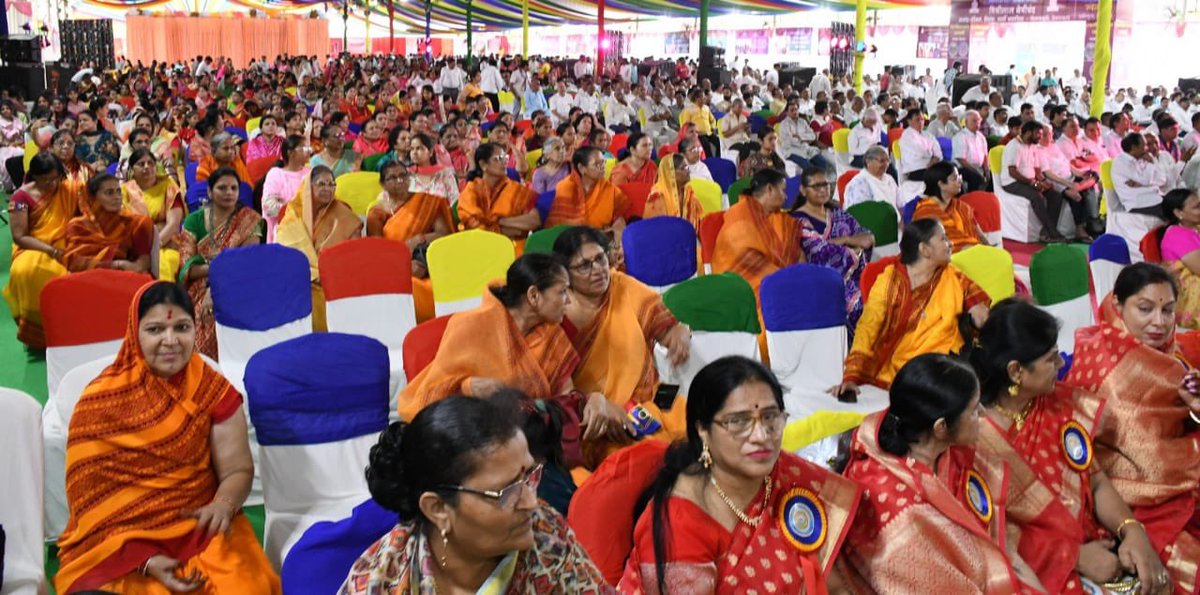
point(170, 313)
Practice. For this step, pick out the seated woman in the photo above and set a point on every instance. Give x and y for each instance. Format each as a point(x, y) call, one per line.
point(1145, 373)
point(514, 339)
point(552, 167)
point(284, 180)
point(832, 238)
point(614, 321)
point(373, 139)
point(314, 221)
point(334, 155)
point(430, 176)
point(728, 510)
point(224, 222)
point(758, 238)
point(95, 146)
point(158, 197)
point(637, 168)
point(763, 156)
point(106, 236)
point(268, 142)
point(942, 187)
point(224, 154)
point(403, 216)
point(62, 145)
point(399, 144)
point(671, 195)
point(1181, 252)
point(38, 215)
point(1062, 509)
point(493, 202)
point(461, 477)
point(916, 306)
point(929, 520)
point(160, 408)
point(586, 198)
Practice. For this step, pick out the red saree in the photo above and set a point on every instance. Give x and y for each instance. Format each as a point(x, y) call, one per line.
point(99, 237)
point(1146, 443)
point(1050, 508)
point(774, 557)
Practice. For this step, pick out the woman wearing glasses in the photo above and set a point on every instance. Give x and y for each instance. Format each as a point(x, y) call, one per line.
point(315, 221)
point(461, 478)
point(728, 511)
point(614, 321)
point(832, 238)
point(493, 202)
point(943, 183)
point(586, 198)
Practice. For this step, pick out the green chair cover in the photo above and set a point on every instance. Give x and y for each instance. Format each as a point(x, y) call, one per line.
point(542, 240)
point(880, 218)
point(1058, 273)
point(715, 303)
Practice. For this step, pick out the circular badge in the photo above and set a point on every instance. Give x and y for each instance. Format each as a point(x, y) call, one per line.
point(979, 497)
point(802, 518)
point(1076, 446)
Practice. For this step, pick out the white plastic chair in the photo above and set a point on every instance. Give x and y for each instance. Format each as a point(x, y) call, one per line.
point(21, 498)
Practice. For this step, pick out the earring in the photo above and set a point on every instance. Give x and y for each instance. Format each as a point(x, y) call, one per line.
point(706, 457)
point(445, 547)
point(1014, 389)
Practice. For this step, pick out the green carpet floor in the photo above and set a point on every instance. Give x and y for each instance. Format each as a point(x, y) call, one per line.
point(26, 371)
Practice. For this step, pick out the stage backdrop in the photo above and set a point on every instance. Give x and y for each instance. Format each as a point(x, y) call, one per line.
point(238, 36)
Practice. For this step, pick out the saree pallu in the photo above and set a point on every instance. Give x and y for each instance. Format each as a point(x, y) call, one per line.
point(599, 208)
point(32, 269)
point(417, 216)
point(958, 220)
point(155, 202)
point(1051, 513)
point(209, 164)
point(138, 459)
point(616, 351)
point(921, 532)
point(1145, 443)
point(482, 207)
point(100, 237)
point(623, 174)
point(775, 557)
point(311, 231)
point(815, 239)
point(899, 323)
point(754, 243)
point(1187, 307)
point(665, 199)
point(199, 245)
point(401, 562)
point(486, 342)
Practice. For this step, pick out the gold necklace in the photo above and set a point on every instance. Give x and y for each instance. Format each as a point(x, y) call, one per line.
point(1018, 418)
point(742, 515)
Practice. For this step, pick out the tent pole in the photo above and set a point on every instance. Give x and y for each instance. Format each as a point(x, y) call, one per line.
point(428, 36)
point(703, 25)
point(1103, 56)
point(470, 59)
point(599, 39)
point(391, 27)
point(860, 36)
point(525, 29)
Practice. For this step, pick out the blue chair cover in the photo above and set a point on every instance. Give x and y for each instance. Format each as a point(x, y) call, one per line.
point(947, 148)
point(258, 288)
point(1109, 247)
point(544, 201)
point(1068, 359)
point(803, 297)
point(792, 192)
point(355, 128)
point(514, 175)
point(723, 171)
point(910, 209)
point(883, 140)
point(112, 168)
point(195, 195)
point(238, 132)
point(718, 114)
point(486, 127)
point(189, 173)
point(318, 388)
point(660, 251)
point(246, 195)
point(757, 123)
point(321, 559)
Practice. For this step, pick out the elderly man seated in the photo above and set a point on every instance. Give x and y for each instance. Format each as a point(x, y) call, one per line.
point(971, 153)
point(1137, 178)
point(873, 182)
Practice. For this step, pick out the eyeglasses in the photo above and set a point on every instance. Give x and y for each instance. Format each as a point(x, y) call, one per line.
point(324, 184)
point(585, 267)
point(820, 186)
point(740, 425)
point(500, 158)
point(507, 497)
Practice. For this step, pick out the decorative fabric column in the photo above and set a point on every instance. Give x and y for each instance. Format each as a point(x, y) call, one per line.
point(470, 60)
point(860, 38)
point(391, 27)
point(367, 23)
point(1103, 55)
point(428, 36)
point(599, 39)
point(524, 28)
point(703, 25)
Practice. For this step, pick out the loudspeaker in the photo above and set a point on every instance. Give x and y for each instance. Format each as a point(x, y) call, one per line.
point(798, 77)
point(30, 79)
point(710, 53)
point(1189, 86)
point(717, 76)
point(21, 49)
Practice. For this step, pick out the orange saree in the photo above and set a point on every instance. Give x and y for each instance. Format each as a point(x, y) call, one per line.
point(208, 165)
point(616, 351)
point(482, 207)
point(754, 243)
point(138, 459)
point(48, 217)
point(792, 550)
point(99, 237)
point(1146, 443)
point(1050, 509)
point(924, 532)
point(599, 208)
point(416, 216)
point(958, 219)
point(485, 342)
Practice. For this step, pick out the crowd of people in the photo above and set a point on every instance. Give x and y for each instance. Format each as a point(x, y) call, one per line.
point(536, 451)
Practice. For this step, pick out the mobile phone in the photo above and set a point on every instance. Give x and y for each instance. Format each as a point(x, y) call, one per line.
point(848, 396)
point(664, 397)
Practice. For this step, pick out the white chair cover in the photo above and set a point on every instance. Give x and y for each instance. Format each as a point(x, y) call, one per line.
point(21, 497)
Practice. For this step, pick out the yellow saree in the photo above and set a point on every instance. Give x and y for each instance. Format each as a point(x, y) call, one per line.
point(155, 202)
point(665, 200)
point(32, 269)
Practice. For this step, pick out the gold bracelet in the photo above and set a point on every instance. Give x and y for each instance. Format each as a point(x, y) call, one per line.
point(1125, 523)
point(233, 508)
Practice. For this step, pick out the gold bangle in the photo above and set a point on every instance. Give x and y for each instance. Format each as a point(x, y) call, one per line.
point(233, 508)
point(1125, 523)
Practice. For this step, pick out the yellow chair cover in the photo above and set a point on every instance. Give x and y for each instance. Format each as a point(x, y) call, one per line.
point(461, 265)
point(841, 140)
point(989, 267)
point(359, 189)
point(818, 426)
point(708, 193)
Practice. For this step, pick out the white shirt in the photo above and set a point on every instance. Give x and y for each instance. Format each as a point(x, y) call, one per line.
point(698, 170)
point(916, 150)
point(975, 93)
point(1077, 83)
point(1181, 116)
point(1146, 175)
point(819, 83)
point(490, 80)
point(653, 108)
point(560, 107)
point(582, 69)
point(795, 138)
point(451, 78)
point(864, 187)
point(586, 102)
point(1191, 140)
point(1024, 157)
point(620, 114)
point(940, 129)
point(1143, 115)
point(971, 147)
point(863, 138)
point(730, 122)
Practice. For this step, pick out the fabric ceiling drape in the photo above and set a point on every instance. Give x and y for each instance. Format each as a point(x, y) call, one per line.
point(241, 38)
